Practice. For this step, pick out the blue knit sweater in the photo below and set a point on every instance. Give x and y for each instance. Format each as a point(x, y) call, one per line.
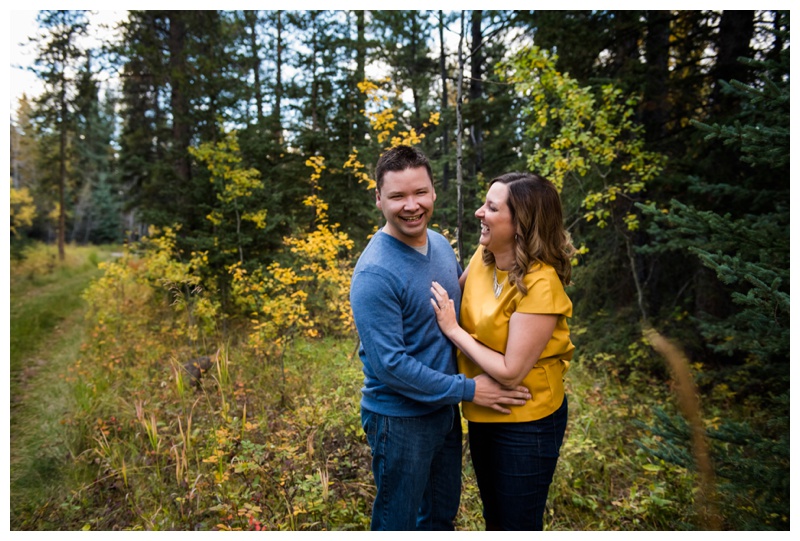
point(409, 365)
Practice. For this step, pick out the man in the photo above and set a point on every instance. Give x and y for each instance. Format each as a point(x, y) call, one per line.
point(409, 405)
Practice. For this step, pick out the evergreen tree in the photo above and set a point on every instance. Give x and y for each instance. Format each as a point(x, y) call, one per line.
point(746, 244)
point(97, 213)
point(491, 121)
point(106, 212)
point(330, 56)
point(591, 45)
point(445, 108)
point(58, 58)
point(218, 89)
point(403, 41)
point(178, 84)
point(46, 194)
point(350, 204)
point(261, 138)
point(23, 146)
point(144, 130)
point(249, 60)
point(317, 53)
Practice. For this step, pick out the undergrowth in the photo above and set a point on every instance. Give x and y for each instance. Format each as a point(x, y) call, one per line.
point(255, 448)
point(271, 439)
point(46, 307)
point(45, 291)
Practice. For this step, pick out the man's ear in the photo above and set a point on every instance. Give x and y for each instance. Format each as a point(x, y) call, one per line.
point(378, 198)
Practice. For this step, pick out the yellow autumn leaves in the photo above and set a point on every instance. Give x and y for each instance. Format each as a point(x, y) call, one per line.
point(311, 295)
point(21, 208)
point(584, 134)
point(383, 120)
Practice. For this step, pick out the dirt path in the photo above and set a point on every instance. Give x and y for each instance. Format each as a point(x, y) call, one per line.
point(29, 378)
point(47, 327)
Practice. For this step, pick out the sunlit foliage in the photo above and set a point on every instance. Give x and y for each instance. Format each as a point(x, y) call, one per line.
point(21, 209)
point(585, 134)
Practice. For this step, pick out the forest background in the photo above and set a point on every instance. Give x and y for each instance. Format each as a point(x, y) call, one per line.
point(215, 201)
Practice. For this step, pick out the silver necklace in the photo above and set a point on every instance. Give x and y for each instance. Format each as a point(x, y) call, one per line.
point(498, 288)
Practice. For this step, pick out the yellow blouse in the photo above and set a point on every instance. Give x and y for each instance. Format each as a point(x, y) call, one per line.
point(486, 319)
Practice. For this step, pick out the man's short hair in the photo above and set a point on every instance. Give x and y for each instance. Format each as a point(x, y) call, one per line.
point(400, 158)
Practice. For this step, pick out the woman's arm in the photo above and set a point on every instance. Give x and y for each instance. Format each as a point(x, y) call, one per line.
point(528, 335)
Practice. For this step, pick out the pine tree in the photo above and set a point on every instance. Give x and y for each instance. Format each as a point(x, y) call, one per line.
point(261, 138)
point(97, 212)
point(58, 58)
point(746, 241)
point(144, 136)
point(23, 146)
point(746, 244)
point(350, 205)
point(403, 39)
point(330, 55)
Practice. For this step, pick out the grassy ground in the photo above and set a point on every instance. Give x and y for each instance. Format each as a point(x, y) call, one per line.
point(47, 329)
point(262, 443)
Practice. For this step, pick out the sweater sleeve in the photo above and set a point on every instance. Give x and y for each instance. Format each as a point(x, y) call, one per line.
point(379, 320)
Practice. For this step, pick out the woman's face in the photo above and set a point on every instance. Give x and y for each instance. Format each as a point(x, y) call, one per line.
point(497, 226)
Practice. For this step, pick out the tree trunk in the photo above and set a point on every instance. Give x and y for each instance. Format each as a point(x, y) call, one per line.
point(251, 19)
point(626, 50)
point(443, 114)
point(312, 147)
point(733, 41)
point(181, 133)
point(62, 178)
point(361, 64)
point(777, 45)
point(476, 92)
point(459, 132)
point(654, 115)
point(413, 44)
point(276, 113)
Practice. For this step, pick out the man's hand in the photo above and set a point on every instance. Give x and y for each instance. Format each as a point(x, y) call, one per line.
point(491, 394)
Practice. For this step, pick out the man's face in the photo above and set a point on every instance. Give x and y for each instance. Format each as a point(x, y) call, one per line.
point(406, 200)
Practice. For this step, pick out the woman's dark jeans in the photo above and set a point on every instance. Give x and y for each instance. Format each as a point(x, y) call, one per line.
point(514, 465)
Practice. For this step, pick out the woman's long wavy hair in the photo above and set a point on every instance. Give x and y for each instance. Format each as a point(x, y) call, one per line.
point(539, 222)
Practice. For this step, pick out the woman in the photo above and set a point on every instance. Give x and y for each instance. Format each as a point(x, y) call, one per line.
point(513, 327)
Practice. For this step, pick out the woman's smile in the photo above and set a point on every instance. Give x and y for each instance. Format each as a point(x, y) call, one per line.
point(497, 226)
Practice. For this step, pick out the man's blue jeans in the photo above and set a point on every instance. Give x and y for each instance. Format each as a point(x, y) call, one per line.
point(416, 462)
point(514, 465)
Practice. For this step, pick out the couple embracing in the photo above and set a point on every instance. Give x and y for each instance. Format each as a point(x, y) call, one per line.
point(492, 337)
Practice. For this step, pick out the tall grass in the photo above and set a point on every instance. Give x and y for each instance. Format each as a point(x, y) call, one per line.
point(276, 444)
point(239, 457)
point(46, 336)
point(604, 480)
point(45, 291)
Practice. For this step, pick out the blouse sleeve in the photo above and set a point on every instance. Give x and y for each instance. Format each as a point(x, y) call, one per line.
point(546, 294)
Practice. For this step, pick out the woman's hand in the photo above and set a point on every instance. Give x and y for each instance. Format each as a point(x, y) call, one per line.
point(445, 309)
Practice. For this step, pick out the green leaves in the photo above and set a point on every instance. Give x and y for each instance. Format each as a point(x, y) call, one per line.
point(583, 135)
